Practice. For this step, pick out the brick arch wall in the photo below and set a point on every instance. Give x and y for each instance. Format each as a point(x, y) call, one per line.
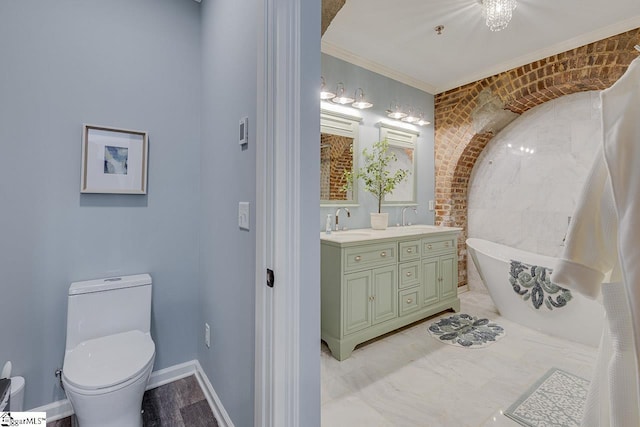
point(459, 138)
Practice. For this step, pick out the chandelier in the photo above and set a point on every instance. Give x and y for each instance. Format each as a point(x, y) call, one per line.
point(497, 13)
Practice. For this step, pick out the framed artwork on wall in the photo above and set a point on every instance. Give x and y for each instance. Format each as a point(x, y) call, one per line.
point(114, 160)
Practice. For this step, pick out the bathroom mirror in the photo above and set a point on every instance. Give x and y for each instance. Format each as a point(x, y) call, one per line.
point(338, 148)
point(402, 142)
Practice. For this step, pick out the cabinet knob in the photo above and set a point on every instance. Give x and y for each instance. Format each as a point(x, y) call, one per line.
point(358, 258)
point(428, 246)
point(409, 250)
point(408, 274)
point(409, 300)
point(446, 244)
point(383, 254)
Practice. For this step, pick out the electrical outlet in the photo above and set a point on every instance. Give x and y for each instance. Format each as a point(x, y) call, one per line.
point(207, 335)
point(431, 205)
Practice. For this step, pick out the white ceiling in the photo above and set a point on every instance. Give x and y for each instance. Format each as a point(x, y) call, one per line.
point(397, 38)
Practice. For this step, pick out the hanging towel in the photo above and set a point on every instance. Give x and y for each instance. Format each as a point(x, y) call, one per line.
point(604, 237)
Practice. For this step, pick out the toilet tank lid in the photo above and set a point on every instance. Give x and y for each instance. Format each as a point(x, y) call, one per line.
point(109, 284)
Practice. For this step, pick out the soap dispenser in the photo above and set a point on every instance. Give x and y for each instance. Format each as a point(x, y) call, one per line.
point(327, 227)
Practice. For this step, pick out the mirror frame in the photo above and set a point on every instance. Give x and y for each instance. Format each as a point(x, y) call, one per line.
point(402, 138)
point(342, 124)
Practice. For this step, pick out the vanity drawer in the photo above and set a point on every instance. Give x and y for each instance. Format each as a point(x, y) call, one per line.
point(435, 246)
point(409, 274)
point(360, 257)
point(409, 300)
point(409, 250)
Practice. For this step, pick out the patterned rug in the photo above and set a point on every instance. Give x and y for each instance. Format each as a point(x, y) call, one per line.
point(555, 400)
point(466, 331)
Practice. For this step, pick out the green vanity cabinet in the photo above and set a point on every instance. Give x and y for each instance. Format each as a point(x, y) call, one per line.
point(370, 297)
point(375, 282)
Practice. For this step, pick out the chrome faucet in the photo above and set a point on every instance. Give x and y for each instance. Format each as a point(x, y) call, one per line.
point(415, 210)
point(337, 227)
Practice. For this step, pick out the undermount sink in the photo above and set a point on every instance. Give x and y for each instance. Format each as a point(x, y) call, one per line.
point(422, 227)
point(351, 233)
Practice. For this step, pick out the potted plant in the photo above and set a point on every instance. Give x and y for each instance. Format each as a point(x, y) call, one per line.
point(378, 180)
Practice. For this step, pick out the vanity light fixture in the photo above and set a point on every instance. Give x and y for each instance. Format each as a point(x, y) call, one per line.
point(421, 121)
point(497, 13)
point(360, 101)
point(341, 96)
point(410, 118)
point(324, 93)
point(395, 112)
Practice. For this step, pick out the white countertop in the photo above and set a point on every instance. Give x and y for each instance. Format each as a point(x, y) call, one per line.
point(364, 234)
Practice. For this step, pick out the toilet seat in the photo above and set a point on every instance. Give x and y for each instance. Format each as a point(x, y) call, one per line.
point(109, 361)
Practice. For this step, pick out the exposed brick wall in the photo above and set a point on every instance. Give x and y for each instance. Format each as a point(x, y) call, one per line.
point(336, 157)
point(458, 144)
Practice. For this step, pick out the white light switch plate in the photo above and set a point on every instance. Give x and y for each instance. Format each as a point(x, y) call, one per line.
point(243, 215)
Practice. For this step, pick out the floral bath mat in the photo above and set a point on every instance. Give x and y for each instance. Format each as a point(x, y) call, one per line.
point(466, 331)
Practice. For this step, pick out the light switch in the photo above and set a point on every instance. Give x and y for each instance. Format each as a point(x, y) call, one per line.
point(243, 215)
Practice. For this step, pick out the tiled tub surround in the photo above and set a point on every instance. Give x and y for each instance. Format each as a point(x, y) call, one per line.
point(522, 198)
point(376, 281)
point(409, 379)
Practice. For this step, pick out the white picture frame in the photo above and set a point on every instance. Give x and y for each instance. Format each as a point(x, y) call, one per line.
point(113, 160)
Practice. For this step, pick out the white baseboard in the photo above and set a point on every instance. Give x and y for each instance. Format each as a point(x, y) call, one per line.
point(55, 410)
point(62, 408)
point(463, 288)
point(172, 373)
point(212, 397)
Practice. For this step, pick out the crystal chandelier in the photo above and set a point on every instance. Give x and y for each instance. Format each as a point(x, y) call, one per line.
point(497, 13)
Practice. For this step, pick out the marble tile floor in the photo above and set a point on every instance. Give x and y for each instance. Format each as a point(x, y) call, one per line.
point(409, 379)
point(180, 403)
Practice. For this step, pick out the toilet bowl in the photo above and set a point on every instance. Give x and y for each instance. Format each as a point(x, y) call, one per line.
point(110, 353)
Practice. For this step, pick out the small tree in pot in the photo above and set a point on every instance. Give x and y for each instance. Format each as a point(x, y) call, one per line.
point(378, 180)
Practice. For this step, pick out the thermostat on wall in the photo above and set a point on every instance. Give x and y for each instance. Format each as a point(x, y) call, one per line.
point(244, 131)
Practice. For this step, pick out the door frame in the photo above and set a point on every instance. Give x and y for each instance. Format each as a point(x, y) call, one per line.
point(278, 198)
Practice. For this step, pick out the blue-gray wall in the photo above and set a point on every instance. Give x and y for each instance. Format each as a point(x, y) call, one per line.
point(381, 91)
point(227, 256)
point(121, 63)
point(228, 176)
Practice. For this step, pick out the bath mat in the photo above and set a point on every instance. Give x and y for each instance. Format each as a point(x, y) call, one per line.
point(466, 331)
point(555, 400)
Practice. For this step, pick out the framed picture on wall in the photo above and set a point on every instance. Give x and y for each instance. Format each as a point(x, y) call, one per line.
point(114, 160)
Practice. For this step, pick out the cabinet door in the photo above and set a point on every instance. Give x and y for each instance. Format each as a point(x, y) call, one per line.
point(448, 276)
point(357, 303)
point(430, 282)
point(385, 294)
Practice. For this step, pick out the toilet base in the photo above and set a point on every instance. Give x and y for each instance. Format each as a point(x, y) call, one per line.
point(118, 408)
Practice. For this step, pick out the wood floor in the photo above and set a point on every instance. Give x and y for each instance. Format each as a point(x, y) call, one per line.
point(180, 403)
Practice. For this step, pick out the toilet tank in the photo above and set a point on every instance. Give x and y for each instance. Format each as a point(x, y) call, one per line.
point(108, 306)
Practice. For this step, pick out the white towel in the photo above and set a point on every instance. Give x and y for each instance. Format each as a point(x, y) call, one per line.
point(605, 234)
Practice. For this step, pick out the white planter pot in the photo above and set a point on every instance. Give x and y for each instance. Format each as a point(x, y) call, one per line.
point(379, 221)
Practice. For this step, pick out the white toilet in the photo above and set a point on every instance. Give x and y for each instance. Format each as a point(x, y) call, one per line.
point(109, 353)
